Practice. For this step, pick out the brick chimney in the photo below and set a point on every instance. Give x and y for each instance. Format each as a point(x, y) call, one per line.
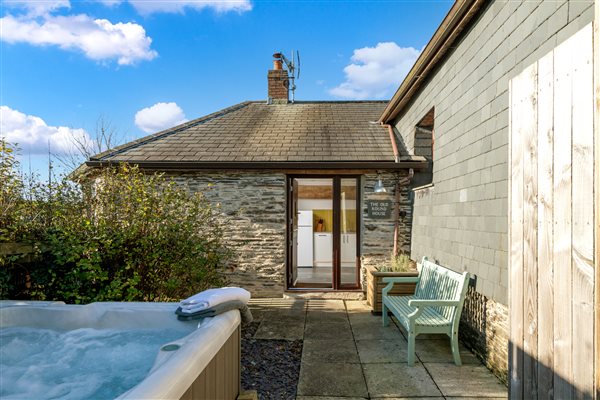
point(279, 82)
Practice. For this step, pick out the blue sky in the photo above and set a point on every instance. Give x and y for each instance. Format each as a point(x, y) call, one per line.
point(66, 63)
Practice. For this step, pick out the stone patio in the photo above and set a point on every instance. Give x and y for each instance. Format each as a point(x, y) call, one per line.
point(348, 354)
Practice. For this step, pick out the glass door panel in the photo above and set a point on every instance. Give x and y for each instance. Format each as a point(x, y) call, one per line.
point(348, 232)
point(312, 233)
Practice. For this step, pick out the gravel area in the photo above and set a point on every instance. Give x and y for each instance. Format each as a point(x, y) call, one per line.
point(271, 367)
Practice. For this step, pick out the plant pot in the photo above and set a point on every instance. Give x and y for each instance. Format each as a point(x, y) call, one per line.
point(375, 284)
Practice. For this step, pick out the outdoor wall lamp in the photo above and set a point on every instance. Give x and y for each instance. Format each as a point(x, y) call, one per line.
point(379, 188)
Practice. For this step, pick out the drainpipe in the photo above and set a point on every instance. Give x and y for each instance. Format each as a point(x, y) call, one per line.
point(399, 182)
point(393, 141)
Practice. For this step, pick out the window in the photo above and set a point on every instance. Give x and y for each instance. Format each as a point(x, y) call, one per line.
point(424, 141)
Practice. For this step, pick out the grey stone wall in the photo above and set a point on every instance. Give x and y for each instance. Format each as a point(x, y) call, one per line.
point(253, 208)
point(462, 221)
point(377, 235)
point(484, 330)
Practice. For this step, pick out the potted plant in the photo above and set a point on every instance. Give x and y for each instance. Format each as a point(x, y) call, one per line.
point(400, 265)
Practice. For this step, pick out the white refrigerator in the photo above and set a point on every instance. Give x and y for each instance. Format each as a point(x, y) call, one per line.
point(305, 239)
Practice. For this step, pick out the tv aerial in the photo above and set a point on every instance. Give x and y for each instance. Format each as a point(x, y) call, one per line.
point(293, 67)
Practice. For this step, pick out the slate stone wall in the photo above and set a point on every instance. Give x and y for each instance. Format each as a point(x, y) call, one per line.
point(378, 234)
point(484, 330)
point(253, 206)
point(462, 220)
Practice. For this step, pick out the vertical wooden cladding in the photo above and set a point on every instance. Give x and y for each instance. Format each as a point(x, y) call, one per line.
point(552, 225)
point(517, 98)
point(596, 62)
point(220, 380)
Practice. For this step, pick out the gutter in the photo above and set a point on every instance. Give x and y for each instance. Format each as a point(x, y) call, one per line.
point(456, 21)
point(265, 165)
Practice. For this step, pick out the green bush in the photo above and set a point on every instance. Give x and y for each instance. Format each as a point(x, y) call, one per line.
point(123, 236)
point(399, 263)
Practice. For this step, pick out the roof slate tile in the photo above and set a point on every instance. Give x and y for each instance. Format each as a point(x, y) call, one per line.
point(255, 131)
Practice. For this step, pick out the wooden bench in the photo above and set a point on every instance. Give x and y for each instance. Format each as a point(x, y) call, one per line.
point(434, 308)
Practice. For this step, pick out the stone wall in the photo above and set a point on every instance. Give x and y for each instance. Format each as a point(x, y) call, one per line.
point(377, 235)
point(484, 330)
point(462, 220)
point(253, 207)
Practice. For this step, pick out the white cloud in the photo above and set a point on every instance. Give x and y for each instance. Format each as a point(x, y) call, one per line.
point(98, 39)
point(38, 7)
point(376, 71)
point(159, 116)
point(178, 6)
point(34, 136)
point(110, 3)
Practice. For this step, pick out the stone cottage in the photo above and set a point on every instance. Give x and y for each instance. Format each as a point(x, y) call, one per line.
point(312, 192)
point(455, 101)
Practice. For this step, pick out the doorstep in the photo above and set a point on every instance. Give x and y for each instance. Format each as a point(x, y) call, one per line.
point(324, 295)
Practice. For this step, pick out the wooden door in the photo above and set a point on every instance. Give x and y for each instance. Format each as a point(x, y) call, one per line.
point(551, 211)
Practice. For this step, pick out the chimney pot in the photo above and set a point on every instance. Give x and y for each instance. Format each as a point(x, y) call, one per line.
point(278, 82)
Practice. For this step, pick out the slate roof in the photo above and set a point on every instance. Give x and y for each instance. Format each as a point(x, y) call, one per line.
point(259, 132)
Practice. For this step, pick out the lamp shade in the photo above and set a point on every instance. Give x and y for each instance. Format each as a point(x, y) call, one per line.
point(379, 188)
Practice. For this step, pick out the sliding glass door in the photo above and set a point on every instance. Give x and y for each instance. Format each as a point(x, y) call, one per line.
point(323, 233)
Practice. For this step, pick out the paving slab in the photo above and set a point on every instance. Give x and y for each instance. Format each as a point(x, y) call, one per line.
point(333, 351)
point(398, 379)
point(328, 330)
point(358, 306)
point(282, 330)
point(369, 330)
point(331, 379)
point(328, 398)
point(382, 351)
point(473, 398)
point(326, 305)
point(466, 380)
point(467, 398)
point(358, 317)
point(411, 398)
point(326, 316)
point(440, 351)
point(290, 316)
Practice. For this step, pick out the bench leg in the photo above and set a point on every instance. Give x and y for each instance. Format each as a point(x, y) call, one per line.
point(411, 349)
point(455, 349)
point(384, 315)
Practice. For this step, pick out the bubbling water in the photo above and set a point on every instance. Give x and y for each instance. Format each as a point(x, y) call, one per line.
point(79, 364)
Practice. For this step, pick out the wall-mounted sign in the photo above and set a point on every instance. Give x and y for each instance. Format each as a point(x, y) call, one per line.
point(379, 209)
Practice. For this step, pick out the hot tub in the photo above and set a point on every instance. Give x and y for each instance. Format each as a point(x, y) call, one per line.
point(201, 359)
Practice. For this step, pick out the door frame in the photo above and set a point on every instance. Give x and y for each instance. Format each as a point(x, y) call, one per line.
point(336, 256)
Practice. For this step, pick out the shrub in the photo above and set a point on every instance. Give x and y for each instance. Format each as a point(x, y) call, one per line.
point(125, 236)
point(399, 263)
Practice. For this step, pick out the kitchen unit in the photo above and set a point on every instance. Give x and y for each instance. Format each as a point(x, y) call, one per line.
point(348, 247)
point(323, 249)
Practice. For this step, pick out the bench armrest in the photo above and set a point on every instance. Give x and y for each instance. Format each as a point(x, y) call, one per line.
point(399, 279)
point(420, 306)
point(433, 303)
